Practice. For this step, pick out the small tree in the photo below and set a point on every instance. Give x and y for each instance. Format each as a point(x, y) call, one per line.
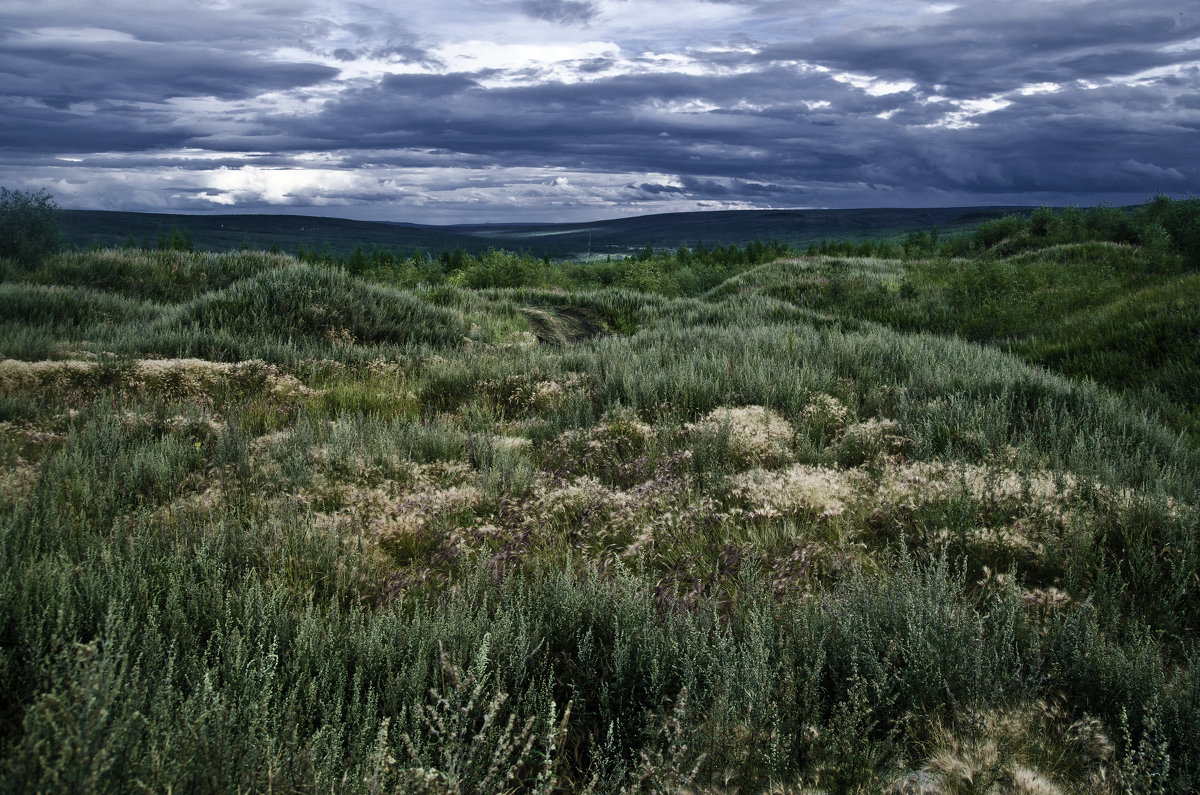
point(28, 227)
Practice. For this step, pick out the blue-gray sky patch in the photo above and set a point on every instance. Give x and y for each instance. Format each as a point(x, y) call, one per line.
point(488, 110)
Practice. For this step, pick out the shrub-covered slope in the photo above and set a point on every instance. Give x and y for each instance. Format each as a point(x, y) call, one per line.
point(1096, 311)
point(298, 531)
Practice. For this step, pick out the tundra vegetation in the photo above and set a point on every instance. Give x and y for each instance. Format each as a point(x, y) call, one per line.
point(918, 518)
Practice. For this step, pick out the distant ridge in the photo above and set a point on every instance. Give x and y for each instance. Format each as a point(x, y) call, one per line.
point(85, 228)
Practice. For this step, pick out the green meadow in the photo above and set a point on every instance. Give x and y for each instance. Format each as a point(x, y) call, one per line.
point(918, 514)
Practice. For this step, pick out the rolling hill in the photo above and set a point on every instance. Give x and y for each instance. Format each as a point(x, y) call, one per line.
point(833, 523)
point(84, 228)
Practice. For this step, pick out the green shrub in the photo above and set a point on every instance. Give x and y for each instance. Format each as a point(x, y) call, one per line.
point(28, 229)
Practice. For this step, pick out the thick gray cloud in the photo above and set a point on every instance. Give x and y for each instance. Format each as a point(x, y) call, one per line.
point(511, 109)
point(978, 48)
point(565, 12)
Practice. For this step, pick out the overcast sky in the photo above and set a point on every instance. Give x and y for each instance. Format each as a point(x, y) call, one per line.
point(449, 111)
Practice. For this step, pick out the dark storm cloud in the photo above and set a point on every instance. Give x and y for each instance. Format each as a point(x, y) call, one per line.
point(788, 105)
point(60, 75)
point(420, 88)
point(779, 144)
point(1036, 148)
point(1189, 101)
point(407, 52)
point(33, 130)
point(613, 125)
point(654, 188)
point(981, 48)
point(564, 12)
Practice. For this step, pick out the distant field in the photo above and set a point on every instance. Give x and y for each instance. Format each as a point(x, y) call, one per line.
point(84, 228)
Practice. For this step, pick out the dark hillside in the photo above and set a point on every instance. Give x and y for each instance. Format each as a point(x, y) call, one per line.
point(723, 227)
point(338, 236)
point(84, 228)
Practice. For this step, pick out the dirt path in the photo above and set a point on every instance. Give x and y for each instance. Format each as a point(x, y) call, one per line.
point(561, 325)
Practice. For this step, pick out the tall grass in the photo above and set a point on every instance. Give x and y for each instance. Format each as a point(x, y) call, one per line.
point(457, 540)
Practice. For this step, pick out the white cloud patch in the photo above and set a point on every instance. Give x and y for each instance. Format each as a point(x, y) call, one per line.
point(523, 63)
point(1039, 88)
point(875, 86)
point(966, 113)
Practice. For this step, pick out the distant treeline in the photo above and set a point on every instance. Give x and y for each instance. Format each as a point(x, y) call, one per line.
point(1167, 230)
point(1164, 227)
point(685, 271)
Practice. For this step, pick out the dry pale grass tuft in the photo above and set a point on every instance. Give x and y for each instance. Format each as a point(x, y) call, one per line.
point(203, 426)
point(615, 450)
point(826, 411)
point(1023, 781)
point(621, 427)
point(172, 379)
point(402, 520)
point(190, 378)
point(199, 507)
point(519, 339)
point(523, 394)
point(571, 502)
point(386, 369)
point(270, 441)
point(916, 483)
point(817, 491)
point(29, 433)
point(22, 376)
point(871, 440)
point(756, 435)
point(512, 444)
point(1015, 541)
point(629, 519)
point(1018, 750)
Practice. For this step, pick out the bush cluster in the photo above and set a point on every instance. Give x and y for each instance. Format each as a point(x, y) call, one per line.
point(28, 230)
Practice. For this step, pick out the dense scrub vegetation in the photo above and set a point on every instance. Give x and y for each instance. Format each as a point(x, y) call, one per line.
point(28, 229)
point(1095, 294)
point(268, 525)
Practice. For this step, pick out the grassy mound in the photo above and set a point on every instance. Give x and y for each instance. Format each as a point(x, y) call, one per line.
point(1147, 337)
point(311, 308)
point(68, 311)
point(159, 276)
point(1089, 310)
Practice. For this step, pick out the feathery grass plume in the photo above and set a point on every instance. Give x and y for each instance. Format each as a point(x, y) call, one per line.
point(1031, 748)
point(815, 491)
point(869, 441)
point(619, 450)
point(173, 380)
point(911, 484)
point(528, 394)
point(750, 435)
